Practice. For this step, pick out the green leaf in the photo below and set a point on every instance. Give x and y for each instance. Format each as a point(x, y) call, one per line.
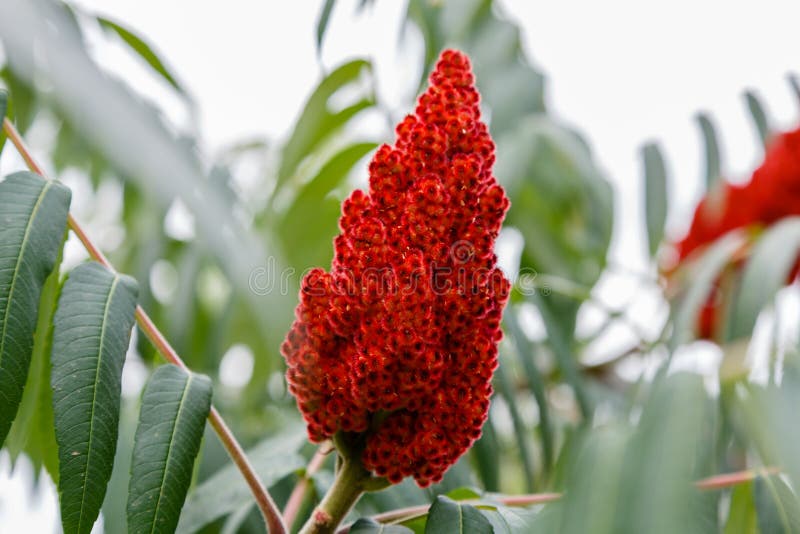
point(655, 195)
point(506, 389)
point(767, 270)
point(322, 22)
point(778, 508)
point(318, 120)
point(22, 104)
point(507, 520)
point(91, 332)
point(599, 464)
point(759, 116)
point(365, 525)
point(484, 454)
point(311, 219)
point(33, 219)
point(794, 83)
point(226, 491)
point(144, 50)
point(526, 355)
point(560, 341)
point(3, 110)
point(175, 405)
point(463, 494)
point(447, 516)
point(742, 514)
point(699, 278)
point(713, 166)
point(670, 438)
point(33, 430)
point(560, 202)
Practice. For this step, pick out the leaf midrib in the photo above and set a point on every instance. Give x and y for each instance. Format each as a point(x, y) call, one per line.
point(94, 395)
point(15, 276)
point(169, 450)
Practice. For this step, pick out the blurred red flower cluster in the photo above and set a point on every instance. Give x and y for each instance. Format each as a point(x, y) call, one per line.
point(399, 339)
point(772, 193)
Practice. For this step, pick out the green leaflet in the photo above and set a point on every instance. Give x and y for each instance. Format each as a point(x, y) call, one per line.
point(447, 516)
point(767, 270)
point(33, 218)
point(777, 507)
point(318, 120)
point(175, 405)
point(322, 22)
point(225, 491)
point(655, 195)
point(144, 50)
point(366, 525)
point(91, 331)
point(713, 166)
point(3, 111)
point(701, 276)
point(759, 116)
point(32, 431)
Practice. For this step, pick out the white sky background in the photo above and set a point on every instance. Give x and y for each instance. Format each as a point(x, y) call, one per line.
point(621, 71)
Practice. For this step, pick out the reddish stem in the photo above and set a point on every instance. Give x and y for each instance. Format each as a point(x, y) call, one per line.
point(299, 492)
point(263, 499)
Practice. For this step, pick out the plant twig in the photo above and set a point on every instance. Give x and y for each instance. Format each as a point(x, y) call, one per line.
point(268, 508)
point(729, 480)
point(299, 492)
point(712, 483)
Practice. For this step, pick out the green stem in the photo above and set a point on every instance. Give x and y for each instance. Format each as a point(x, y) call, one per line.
point(349, 485)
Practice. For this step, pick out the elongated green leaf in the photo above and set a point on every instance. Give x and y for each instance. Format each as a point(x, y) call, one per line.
point(226, 491)
point(506, 389)
point(311, 219)
point(742, 514)
point(669, 439)
point(33, 218)
point(318, 120)
point(175, 405)
point(91, 332)
point(794, 83)
point(366, 525)
point(526, 354)
point(33, 430)
point(447, 516)
point(484, 453)
point(759, 116)
point(767, 270)
point(699, 281)
point(560, 341)
point(507, 520)
point(144, 50)
point(778, 508)
point(713, 167)
point(322, 22)
point(655, 195)
point(3, 110)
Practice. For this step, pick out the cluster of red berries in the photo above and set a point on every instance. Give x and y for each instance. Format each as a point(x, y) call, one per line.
point(399, 339)
point(772, 193)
